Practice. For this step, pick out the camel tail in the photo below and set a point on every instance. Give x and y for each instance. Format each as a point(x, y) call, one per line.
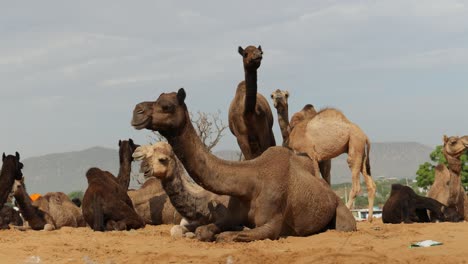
point(98, 214)
point(368, 157)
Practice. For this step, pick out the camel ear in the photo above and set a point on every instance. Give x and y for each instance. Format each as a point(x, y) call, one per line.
point(17, 155)
point(286, 94)
point(120, 142)
point(130, 141)
point(445, 139)
point(181, 95)
point(3, 157)
point(260, 48)
point(272, 96)
point(241, 51)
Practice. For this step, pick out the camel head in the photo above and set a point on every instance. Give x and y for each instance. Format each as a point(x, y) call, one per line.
point(158, 160)
point(126, 149)
point(280, 98)
point(306, 113)
point(455, 146)
point(251, 56)
point(12, 164)
point(167, 115)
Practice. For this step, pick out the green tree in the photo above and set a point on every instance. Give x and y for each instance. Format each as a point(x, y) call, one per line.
point(76, 194)
point(426, 171)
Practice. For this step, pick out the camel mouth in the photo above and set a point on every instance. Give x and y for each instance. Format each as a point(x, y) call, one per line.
point(140, 125)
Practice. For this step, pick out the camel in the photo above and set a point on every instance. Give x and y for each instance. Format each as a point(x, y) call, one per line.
point(447, 187)
point(49, 212)
point(11, 171)
point(280, 102)
point(9, 216)
point(329, 134)
point(207, 212)
point(106, 205)
point(250, 117)
point(404, 205)
point(126, 149)
point(277, 193)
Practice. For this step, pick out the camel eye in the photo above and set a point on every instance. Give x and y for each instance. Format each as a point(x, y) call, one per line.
point(168, 108)
point(163, 160)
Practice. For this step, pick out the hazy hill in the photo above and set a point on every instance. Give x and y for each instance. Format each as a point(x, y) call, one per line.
point(66, 171)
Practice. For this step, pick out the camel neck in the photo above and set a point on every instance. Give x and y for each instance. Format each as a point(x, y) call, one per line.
point(29, 212)
point(6, 181)
point(213, 174)
point(250, 91)
point(283, 121)
point(190, 203)
point(454, 164)
point(123, 178)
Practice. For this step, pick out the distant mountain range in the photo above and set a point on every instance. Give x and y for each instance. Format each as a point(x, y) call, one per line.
point(66, 171)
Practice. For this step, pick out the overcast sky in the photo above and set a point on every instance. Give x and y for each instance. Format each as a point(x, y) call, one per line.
point(71, 72)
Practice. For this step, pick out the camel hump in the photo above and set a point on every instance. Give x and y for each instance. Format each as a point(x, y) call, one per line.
point(329, 112)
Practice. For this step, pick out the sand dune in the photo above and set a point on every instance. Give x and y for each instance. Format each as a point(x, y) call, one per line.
point(372, 243)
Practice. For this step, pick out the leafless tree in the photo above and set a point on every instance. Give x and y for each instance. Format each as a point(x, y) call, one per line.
point(209, 127)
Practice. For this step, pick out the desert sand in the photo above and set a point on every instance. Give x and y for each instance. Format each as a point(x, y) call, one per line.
point(372, 243)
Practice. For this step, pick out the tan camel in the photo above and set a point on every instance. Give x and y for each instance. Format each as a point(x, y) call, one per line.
point(203, 210)
point(50, 211)
point(447, 187)
point(250, 117)
point(329, 134)
point(277, 190)
point(280, 102)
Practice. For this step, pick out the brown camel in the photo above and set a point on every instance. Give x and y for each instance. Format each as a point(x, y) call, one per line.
point(9, 216)
point(280, 102)
point(50, 211)
point(330, 134)
point(278, 191)
point(106, 205)
point(126, 148)
point(447, 187)
point(250, 117)
point(404, 205)
point(11, 171)
point(209, 213)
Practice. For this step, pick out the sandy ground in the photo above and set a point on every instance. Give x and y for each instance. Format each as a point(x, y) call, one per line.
point(372, 243)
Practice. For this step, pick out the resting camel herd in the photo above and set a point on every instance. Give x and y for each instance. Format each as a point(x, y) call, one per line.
point(276, 191)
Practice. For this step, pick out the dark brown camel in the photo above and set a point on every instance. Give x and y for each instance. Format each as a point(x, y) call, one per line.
point(447, 187)
point(280, 194)
point(250, 117)
point(209, 213)
point(106, 205)
point(50, 211)
point(11, 171)
point(404, 205)
point(126, 149)
point(9, 216)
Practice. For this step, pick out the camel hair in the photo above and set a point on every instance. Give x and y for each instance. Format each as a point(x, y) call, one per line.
point(280, 102)
point(250, 117)
point(126, 149)
point(209, 213)
point(277, 193)
point(49, 212)
point(447, 187)
point(329, 134)
point(106, 205)
point(404, 205)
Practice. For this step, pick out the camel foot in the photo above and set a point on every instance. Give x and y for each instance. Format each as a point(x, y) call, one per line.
point(190, 235)
point(207, 232)
point(226, 237)
point(48, 227)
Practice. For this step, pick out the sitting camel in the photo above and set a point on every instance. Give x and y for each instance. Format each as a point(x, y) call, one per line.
point(280, 102)
point(277, 193)
point(329, 134)
point(447, 187)
point(209, 213)
point(50, 211)
point(106, 205)
point(250, 117)
point(404, 205)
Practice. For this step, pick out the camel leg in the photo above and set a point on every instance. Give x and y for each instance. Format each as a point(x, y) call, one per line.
point(270, 230)
point(355, 166)
point(325, 167)
point(371, 188)
point(243, 142)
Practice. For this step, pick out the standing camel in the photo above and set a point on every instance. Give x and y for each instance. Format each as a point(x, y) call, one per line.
point(447, 187)
point(280, 102)
point(329, 134)
point(278, 191)
point(250, 117)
